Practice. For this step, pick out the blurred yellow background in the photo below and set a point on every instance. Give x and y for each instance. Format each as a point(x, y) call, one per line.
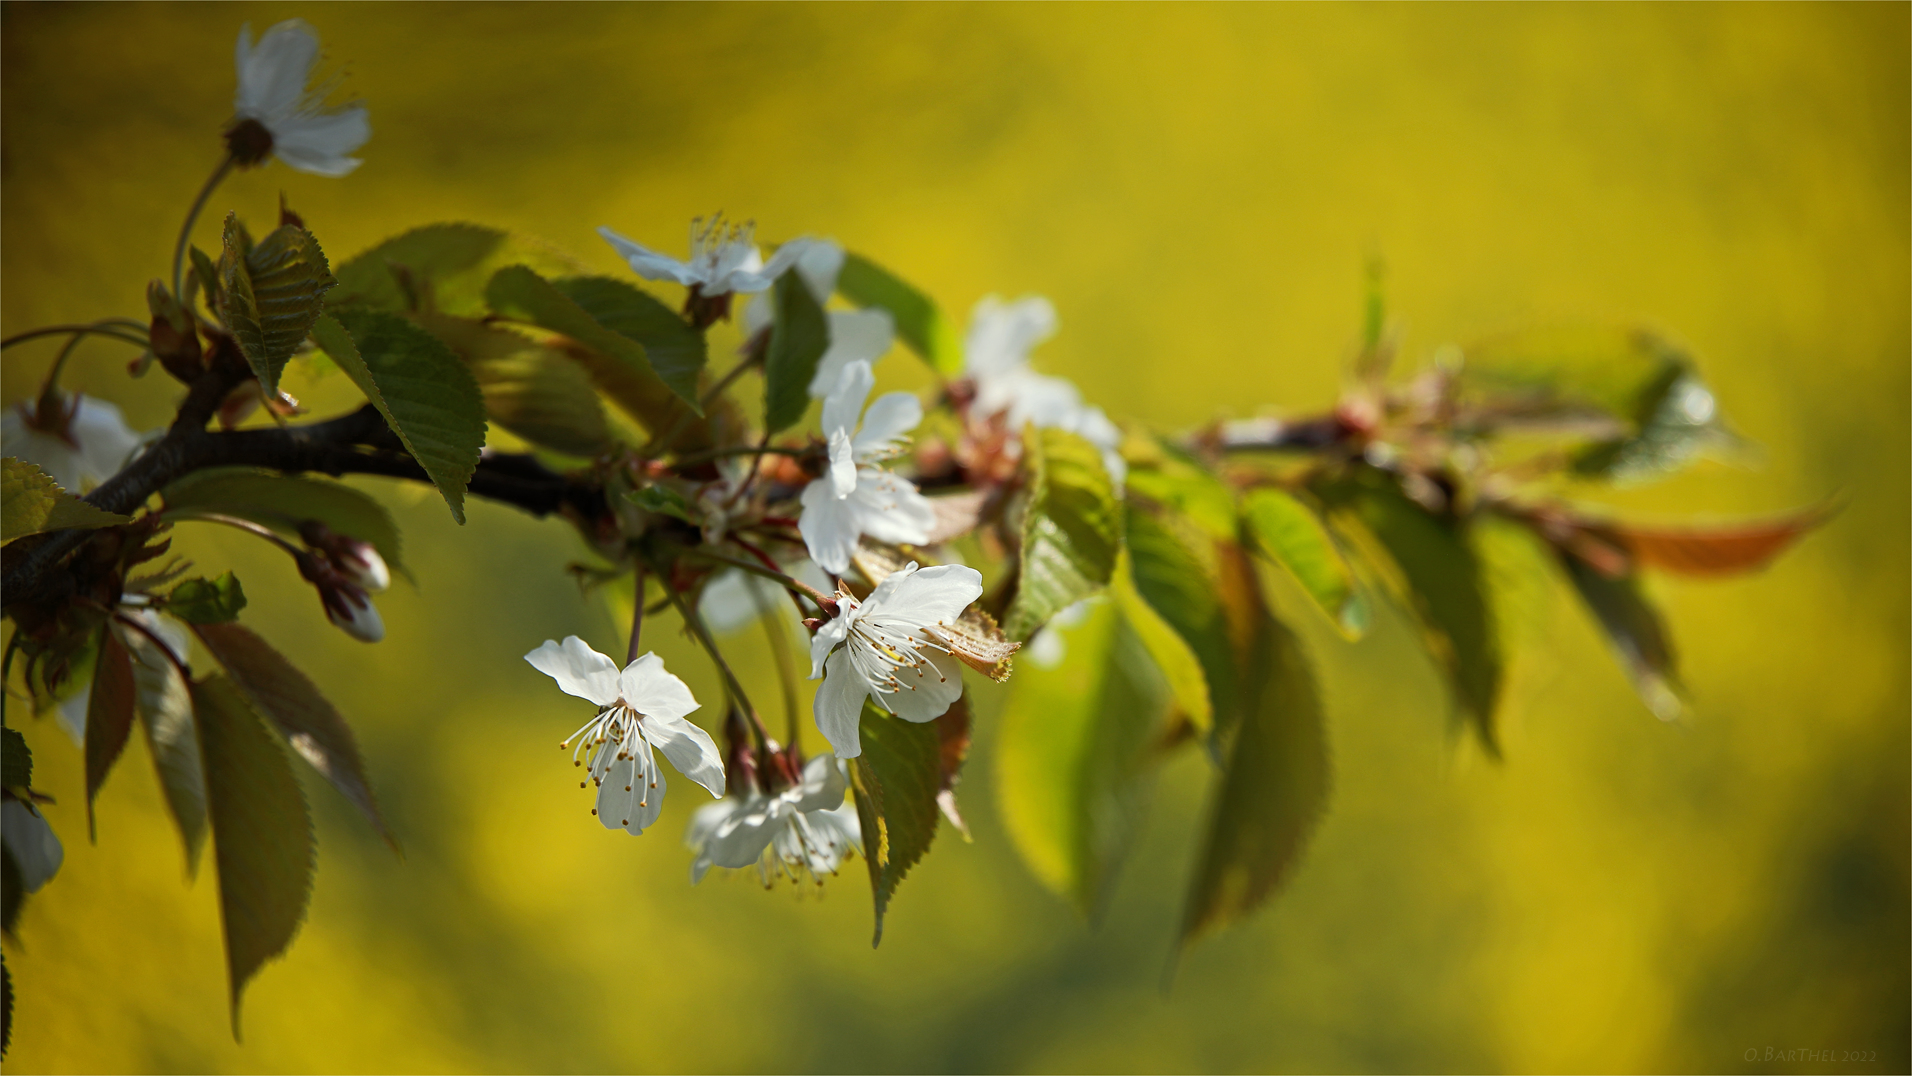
point(1197, 188)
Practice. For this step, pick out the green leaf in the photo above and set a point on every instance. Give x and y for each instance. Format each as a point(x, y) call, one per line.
point(1441, 576)
point(1177, 570)
point(896, 781)
point(272, 293)
point(799, 335)
point(518, 292)
point(1289, 533)
point(1070, 756)
point(283, 502)
point(1170, 478)
point(1180, 668)
point(439, 268)
point(164, 705)
point(918, 323)
point(290, 701)
point(1636, 631)
point(207, 273)
point(1071, 529)
point(674, 352)
point(262, 835)
point(109, 717)
point(16, 760)
point(662, 500)
point(537, 392)
point(428, 397)
point(207, 601)
point(31, 502)
point(1274, 787)
point(13, 891)
point(6, 1007)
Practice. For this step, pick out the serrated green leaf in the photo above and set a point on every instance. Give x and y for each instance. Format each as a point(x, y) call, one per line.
point(428, 397)
point(207, 601)
point(539, 393)
point(439, 268)
point(918, 322)
point(282, 502)
point(31, 502)
point(1071, 529)
point(896, 780)
point(799, 335)
point(289, 700)
point(1171, 479)
point(164, 705)
point(262, 835)
point(1070, 756)
point(675, 353)
point(1181, 670)
point(1176, 569)
point(1289, 533)
point(6, 1007)
point(1443, 584)
point(1636, 631)
point(16, 760)
point(13, 891)
point(272, 292)
point(206, 271)
point(1274, 787)
point(109, 717)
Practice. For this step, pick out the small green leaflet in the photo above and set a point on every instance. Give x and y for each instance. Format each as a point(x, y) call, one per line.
point(32, 503)
point(425, 392)
point(109, 717)
point(1289, 533)
point(272, 293)
point(283, 502)
point(289, 700)
point(675, 351)
point(164, 704)
point(1274, 787)
point(1071, 529)
point(207, 601)
point(896, 781)
point(1071, 756)
point(799, 335)
point(918, 322)
point(16, 761)
point(262, 835)
point(1175, 567)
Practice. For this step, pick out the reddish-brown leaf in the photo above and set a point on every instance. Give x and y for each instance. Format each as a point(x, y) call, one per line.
point(1716, 552)
point(952, 736)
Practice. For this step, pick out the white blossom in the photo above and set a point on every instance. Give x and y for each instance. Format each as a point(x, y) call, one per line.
point(639, 710)
point(805, 828)
point(855, 497)
point(31, 843)
point(355, 615)
point(275, 91)
point(892, 647)
point(94, 446)
point(864, 335)
point(996, 358)
point(723, 258)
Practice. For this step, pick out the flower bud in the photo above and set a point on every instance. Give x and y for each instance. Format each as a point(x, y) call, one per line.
point(356, 560)
point(356, 616)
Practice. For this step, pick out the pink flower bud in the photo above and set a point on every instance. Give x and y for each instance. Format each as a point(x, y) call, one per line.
point(355, 615)
point(361, 563)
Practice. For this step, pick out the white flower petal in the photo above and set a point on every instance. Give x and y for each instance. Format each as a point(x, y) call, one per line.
point(648, 689)
point(1001, 335)
point(884, 424)
point(273, 73)
point(648, 263)
point(320, 143)
point(842, 463)
point(689, 748)
point(626, 800)
point(888, 508)
point(845, 402)
point(855, 335)
point(829, 527)
point(578, 669)
point(820, 264)
point(937, 594)
point(829, 634)
point(752, 279)
point(839, 705)
point(823, 785)
point(926, 691)
point(106, 442)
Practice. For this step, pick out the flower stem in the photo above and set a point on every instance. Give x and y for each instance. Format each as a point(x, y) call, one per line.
point(822, 601)
point(773, 627)
point(192, 216)
point(110, 327)
point(157, 641)
point(740, 450)
point(731, 686)
point(246, 525)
